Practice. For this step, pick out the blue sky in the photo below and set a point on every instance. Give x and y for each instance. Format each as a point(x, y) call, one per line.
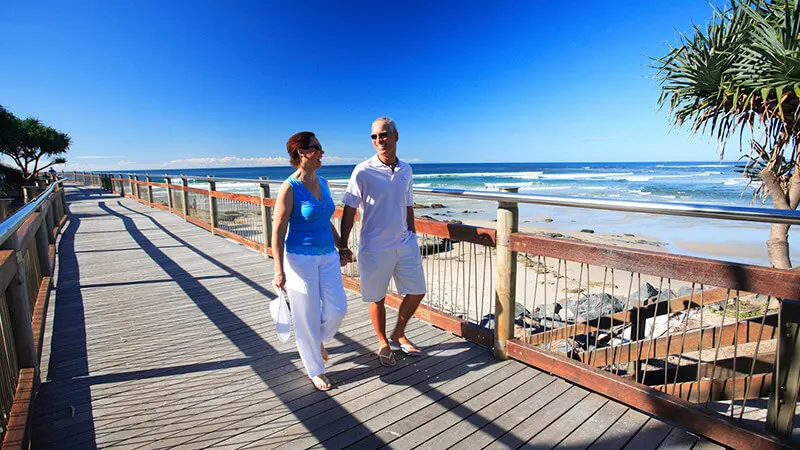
point(169, 84)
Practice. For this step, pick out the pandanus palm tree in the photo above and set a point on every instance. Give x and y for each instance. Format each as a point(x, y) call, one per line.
point(740, 75)
point(29, 143)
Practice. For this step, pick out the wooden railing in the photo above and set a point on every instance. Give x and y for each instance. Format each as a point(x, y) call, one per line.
point(708, 345)
point(27, 259)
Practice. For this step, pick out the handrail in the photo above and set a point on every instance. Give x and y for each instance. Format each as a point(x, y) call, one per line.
point(697, 210)
point(13, 222)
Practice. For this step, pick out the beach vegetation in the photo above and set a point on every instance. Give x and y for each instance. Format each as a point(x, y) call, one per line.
point(739, 76)
point(30, 144)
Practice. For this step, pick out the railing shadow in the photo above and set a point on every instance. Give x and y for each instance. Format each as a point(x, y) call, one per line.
point(69, 326)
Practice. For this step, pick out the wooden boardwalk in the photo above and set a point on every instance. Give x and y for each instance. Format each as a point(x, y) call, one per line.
point(159, 336)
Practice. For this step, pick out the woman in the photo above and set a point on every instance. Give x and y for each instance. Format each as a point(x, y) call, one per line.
point(306, 260)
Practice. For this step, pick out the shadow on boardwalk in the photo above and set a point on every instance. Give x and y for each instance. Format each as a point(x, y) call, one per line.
point(158, 340)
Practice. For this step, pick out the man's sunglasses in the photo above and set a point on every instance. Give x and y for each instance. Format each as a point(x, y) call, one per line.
point(379, 135)
point(315, 147)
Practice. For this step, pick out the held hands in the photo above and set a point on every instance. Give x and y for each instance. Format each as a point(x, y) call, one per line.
point(279, 281)
point(345, 256)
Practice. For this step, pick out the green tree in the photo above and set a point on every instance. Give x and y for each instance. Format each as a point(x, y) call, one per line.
point(32, 145)
point(740, 75)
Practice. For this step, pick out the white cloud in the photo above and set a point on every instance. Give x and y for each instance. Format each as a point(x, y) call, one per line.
point(225, 161)
point(191, 163)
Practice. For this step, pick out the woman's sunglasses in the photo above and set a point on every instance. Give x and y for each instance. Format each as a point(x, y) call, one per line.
point(315, 147)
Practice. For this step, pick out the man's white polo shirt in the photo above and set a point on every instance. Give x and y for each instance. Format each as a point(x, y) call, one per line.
point(383, 195)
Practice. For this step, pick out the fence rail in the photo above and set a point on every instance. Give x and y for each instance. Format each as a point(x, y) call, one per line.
point(27, 258)
point(713, 346)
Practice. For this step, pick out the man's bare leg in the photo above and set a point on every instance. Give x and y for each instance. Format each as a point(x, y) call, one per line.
point(377, 314)
point(408, 306)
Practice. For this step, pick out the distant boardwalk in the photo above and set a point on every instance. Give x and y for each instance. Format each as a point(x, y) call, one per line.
point(159, 336)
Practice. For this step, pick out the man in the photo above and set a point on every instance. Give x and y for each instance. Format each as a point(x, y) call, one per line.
point(382, 187)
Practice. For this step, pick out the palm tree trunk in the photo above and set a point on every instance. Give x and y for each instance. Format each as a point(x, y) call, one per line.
point(778, 242)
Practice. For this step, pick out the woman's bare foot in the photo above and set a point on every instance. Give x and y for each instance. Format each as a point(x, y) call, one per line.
point(321, 382)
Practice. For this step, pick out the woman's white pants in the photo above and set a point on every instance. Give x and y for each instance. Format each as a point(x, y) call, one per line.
point(317, 301)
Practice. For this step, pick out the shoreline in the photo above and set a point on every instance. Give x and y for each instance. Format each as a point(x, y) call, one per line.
point(737, 242)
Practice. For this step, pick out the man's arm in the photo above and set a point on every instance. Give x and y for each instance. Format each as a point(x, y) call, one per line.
point(412, 227)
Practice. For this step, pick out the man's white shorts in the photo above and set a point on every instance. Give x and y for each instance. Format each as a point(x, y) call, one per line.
point(376, 269)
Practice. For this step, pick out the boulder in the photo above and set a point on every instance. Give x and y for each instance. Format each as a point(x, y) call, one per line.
point(593, 306)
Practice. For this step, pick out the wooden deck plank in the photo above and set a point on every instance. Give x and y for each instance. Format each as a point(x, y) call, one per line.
point(621, 432)
point(677, 438)
point(567, 423)
point(514, 416)
point(159, 336)
point(650, 436)
point(542, 418)
point(460, 406)
point(597, 424)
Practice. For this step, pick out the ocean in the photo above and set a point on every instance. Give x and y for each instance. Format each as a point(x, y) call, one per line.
point(689, 182)
point(696, 182)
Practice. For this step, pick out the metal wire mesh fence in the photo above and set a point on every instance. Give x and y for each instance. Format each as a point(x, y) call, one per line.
point(240, 218)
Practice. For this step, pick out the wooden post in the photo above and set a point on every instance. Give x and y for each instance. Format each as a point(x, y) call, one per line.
point(4, 204)
point(212, 204)
point(136, 189)
point(31, 192)
point(63, 199)
point(266, 215)
point(169, 194)
point(786, 370)
point(49, 212)
point(185, 184)
point(132, 186)
point(121, 185)
point(19, 308)
point(506, 275)
point(149, 190)
point(43, 246)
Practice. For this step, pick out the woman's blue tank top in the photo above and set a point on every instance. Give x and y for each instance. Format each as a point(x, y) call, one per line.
point(309, 230)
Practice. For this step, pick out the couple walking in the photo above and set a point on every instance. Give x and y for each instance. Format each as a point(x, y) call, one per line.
point(306, 242)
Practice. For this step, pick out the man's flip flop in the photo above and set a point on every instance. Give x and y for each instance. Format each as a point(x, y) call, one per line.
point(387, 360)
point(408, 349)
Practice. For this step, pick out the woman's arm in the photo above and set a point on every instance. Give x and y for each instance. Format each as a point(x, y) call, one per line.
point(280, 222)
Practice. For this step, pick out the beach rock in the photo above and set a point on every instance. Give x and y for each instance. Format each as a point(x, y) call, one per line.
point(645, 292)
point(455, 221)
point(629, 235)
point(419, 206)
point(431, 245)
point(593, 306)
point(565, 347)
point(685, 291)
point(552, 324)
point(554, 235)
point(230, 215)
point(587, 230)
point(548, 220)
point(549, 311)
point(437, 205)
